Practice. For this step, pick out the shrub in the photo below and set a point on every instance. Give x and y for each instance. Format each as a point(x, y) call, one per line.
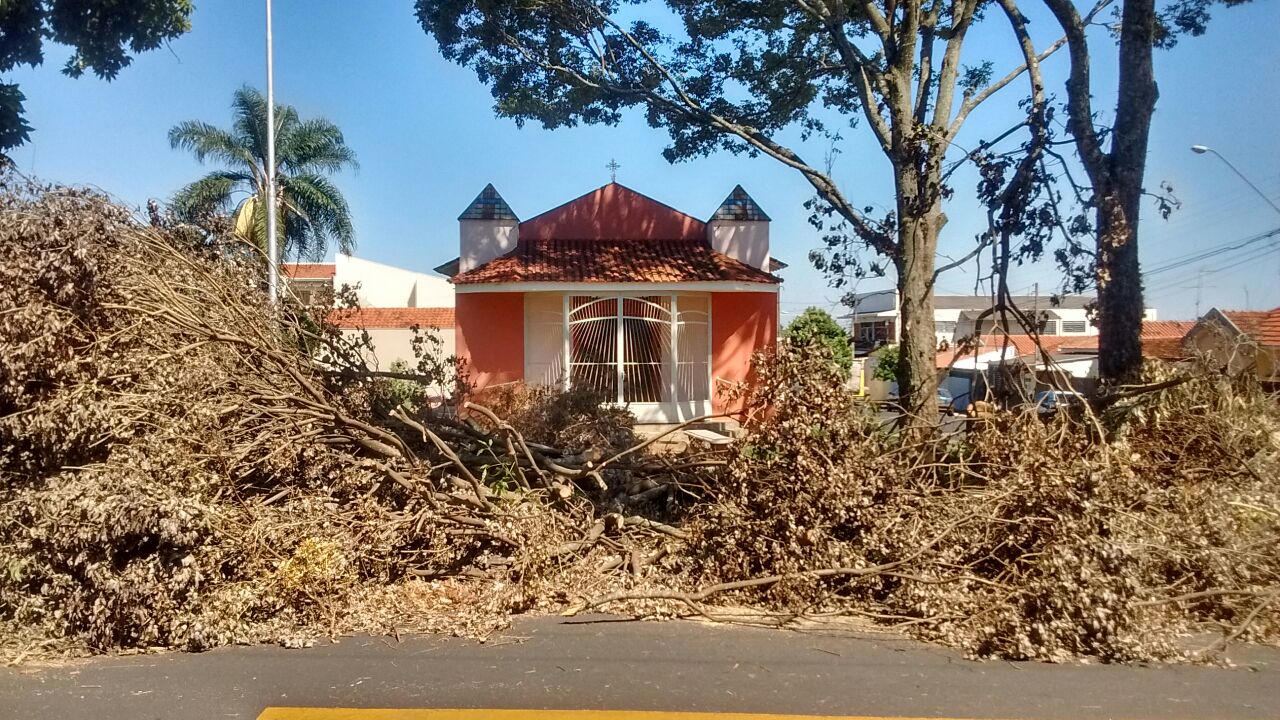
point(816, 327)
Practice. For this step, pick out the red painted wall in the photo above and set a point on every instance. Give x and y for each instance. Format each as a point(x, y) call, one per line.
point(490, 336)
point(741, 324)
point(613, 212)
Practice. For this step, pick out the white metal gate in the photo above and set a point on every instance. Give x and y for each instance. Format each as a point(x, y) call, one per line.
point(650, 352)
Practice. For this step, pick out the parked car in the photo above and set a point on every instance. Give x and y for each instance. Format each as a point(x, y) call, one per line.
point(946, 403)
point(1049, 403)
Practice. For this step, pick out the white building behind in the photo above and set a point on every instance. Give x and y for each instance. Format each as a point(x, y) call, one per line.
point(392, 302)
point(875, 317)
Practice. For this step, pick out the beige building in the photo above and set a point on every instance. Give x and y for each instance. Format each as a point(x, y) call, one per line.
point(1241, 340)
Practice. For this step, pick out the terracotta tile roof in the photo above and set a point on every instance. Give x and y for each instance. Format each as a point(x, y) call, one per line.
point(1261, 325)
point(1166, 328)
point(1164, 348)
point(1249, 322)
point(309, 271)
point(1162, 339)
point(613, 261)
point(1270, 331)
point(369, 318)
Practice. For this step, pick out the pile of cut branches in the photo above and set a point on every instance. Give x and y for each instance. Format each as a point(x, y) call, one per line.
point(1029, 540)
point(182, 466)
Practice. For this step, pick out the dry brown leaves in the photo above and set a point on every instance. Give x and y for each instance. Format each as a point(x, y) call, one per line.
point(1027, 539)
point(178, 470)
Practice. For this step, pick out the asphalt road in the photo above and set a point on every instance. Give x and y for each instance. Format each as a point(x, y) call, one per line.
point(607, 663)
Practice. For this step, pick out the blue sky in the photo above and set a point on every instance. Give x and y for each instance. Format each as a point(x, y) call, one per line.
point(428, 141)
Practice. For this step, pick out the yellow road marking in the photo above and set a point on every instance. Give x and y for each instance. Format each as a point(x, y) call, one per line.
point(301, 713)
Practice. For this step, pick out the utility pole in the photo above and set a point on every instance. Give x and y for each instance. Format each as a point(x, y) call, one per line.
point(1035, 306)
point(273, 271)
point(1199, 287)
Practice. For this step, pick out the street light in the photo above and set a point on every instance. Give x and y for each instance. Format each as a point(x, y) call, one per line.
point(273, 272)
point(1202, 149)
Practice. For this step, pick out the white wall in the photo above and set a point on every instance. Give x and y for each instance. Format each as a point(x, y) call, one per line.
point(386, 286)
point(544, 339)
point(743, 240)
point(1073, 315)
point(877, 301)
point(480, 241)
point(1083, 367)
point(948, 316)
point(873, 302)
point(391, 344)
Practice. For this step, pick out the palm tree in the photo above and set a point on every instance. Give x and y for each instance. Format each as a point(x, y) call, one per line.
point(311, 210)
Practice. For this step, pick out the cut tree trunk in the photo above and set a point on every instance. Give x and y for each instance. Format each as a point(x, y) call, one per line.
point(1119, 275)
point(918, 344)
point(1120, 303)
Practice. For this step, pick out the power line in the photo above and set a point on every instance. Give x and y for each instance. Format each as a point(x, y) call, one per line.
point(1230, 246)
point(1182, 280)
point(1230, 262)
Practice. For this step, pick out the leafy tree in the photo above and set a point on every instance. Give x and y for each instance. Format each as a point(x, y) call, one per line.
point(815, 326)
point(102, 33)
point(1116, 173)
point(312, 210)
point(734, 75)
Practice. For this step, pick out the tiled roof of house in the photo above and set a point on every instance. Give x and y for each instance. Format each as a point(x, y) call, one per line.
point(1164, 348)
point(370, 318)
point(1270, 331)
point(1166, 328)
point(654, 261)
point(309, 271)
point(1248, 321)
point(1255, 324)
point(1162, 339)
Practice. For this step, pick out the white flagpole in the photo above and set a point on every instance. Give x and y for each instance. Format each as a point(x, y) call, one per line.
point(273, 272)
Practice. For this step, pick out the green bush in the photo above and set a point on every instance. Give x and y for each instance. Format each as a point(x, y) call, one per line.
point(886, 363)
point(815, 326)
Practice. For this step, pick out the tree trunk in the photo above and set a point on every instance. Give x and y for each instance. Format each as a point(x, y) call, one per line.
point(1120, 303)
point(920, 221)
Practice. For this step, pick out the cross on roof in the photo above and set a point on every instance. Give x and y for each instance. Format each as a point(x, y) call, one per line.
point(613, 170)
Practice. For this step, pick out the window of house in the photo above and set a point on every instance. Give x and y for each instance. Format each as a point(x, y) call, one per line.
point(1048, 327)
point(944, 327)
point(1072, 326)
